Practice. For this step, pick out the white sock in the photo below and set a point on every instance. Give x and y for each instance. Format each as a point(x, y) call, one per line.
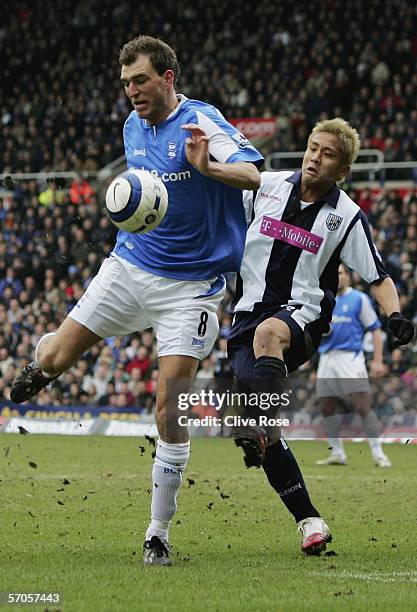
point(376, 448)
point(337, 447)
point(170, 462)
point(36, 352)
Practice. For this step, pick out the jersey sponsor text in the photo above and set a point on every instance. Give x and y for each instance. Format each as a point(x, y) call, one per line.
point(296, 236)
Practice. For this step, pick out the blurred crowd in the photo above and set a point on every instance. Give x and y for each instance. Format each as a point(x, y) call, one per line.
point(50, 249)
point(62, 109)
point(51, 246)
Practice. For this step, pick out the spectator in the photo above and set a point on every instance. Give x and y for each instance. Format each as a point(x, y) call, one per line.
point(143, 398)
point(101, 377)
point(204, 376)
point(104, 399)
point(81, 192)
point(141, 361)
point(51, 195)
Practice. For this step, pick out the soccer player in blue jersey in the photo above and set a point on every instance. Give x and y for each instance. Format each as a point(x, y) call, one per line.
point(342, 375)
point(171, 278)
point(302, 226)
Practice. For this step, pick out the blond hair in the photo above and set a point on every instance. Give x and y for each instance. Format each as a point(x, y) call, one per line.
point(345, 133)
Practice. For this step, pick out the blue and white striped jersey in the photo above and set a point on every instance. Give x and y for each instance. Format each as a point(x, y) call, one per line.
point(292, 253)
point(203, 233)
point(353, 315)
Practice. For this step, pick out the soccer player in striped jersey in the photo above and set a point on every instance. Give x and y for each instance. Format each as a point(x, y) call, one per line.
point(302, 227)
point(342, 376)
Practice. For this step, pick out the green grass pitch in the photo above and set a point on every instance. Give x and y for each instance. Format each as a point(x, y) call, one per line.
point(75, 524)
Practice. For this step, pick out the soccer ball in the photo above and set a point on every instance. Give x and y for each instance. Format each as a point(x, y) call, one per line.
point(136, 201)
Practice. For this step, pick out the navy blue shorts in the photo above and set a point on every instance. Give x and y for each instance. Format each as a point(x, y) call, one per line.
point(303, 345)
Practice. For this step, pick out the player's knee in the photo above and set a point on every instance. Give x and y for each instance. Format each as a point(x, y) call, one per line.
point(265, 334)
point(270, 334)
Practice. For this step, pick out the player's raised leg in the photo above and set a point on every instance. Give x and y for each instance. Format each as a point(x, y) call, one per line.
point(108, 308)
point(55, 352)
point(176, 374)
point(282, 336)
point(272, 339)
point(263, 369)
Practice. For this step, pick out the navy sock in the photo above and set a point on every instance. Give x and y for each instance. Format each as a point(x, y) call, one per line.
point(285, 477)
point(270, 367)
point(269, 373)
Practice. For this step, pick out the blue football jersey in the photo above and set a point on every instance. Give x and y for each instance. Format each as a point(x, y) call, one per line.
point(203, 232)
point(353, 315)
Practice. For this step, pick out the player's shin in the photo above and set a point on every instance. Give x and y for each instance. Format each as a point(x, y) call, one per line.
point(269, 373)
point(170, 462)
point(266, 386)
point(284, 475)
point(270, 368)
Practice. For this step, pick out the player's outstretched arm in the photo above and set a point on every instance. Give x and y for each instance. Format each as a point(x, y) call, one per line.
point(241, 175)
point(386, 295)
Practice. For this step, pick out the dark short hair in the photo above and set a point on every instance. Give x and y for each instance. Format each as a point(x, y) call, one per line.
point(161, 56)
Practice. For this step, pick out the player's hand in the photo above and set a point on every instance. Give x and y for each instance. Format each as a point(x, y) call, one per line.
point(378, 369)
point(196, 147)
point(402, 328)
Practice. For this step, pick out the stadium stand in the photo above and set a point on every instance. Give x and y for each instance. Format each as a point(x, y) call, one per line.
point(63, 111)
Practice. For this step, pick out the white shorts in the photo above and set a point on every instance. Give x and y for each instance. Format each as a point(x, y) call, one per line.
point(122, 299)
point(341, 373)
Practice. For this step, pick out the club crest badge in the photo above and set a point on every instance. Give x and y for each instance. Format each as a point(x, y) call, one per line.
point(333, 221)
point(172, 150)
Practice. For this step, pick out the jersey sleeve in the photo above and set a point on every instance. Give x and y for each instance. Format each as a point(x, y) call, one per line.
point(368, 316)
point(226, 144)
point(248, 203)
point(360, 253)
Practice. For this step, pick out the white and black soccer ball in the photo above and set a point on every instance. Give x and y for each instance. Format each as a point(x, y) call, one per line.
point(136, 201)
